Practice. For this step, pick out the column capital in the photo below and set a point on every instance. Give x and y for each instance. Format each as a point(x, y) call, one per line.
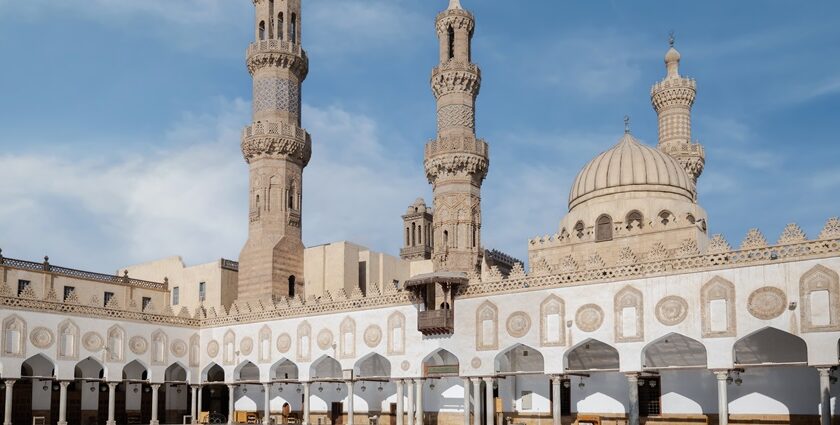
point(721, 375)
point(113, 385)
point(9, 382)
point(64, 384)
point(475, 378)
point(632, 376)
point(488, 378)
point(824, 370)
point(556, 379)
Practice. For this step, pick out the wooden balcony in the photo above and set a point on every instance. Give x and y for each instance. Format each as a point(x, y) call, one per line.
point(436, 322)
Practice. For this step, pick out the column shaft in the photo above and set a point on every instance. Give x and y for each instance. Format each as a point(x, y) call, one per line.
point(155, 388)
point(410, 384)
point(825, 395)
point(267, 401)
point(305, 403)
point(7, 414)
point(194, 405)
point(557, 400)
point(62, 402)
point(112, 398)
point(633, 393)
point(476, 401)
point(723, 400)
point(400, 409)
point(488, 399)
point(350, 411)
point(466, 401)
point(419, 405)
point(231, 405)
point(198, 403)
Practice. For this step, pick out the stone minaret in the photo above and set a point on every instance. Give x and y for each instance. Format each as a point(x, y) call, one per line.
point(417, 222)
point(672, 100)
point(276, 149)
point(456, 162)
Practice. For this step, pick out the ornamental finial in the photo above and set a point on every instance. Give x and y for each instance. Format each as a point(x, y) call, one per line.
point(454, 4)
point(671, 38)
point(626, 124)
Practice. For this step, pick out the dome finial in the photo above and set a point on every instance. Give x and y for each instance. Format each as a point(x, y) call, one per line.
point(627, 124)
point(454, 4)
point(671, 38)
point(672, 58)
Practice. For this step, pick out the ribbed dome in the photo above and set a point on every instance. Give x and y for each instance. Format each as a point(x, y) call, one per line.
point(630, 166)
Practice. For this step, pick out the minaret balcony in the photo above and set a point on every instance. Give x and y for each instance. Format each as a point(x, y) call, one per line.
point(436, 322)
point(276, 140)
point(277, 53)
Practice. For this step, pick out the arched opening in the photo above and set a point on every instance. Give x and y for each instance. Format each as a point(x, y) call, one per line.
point(292, 286)
point(134, 395)
point(440, 363)
point(87, 401)
point(293, 29)
point(413, 234)
point(445, 240)
point(603, 229)
point(674, 351)
point(280, 26)
point(769, 346)
point(374, 367)
point(175, 394)
point(519, 359)
point(450, 34)
point(634, 220)
point(284, 369)
point(247, 372)
point(325, 368)
point(214, 395)
point(525, 384)
point(35, 394)
point(665, 217)
point(262, 30)
point(592, 355)
point(441, 371)
point(579, 229)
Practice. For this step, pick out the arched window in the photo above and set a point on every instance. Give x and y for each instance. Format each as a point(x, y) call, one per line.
point(603, 231)
point(280, 26)
point(445, 239)
point(690, 218)
point(579, 227)
point(634, 220)
point(413, 234)
point(407, 236)
point(474, 237)
point(451, 38)
point(291, 286)
point(262, 30)
point(665, 217)
point(291, 201)
point(257, 203)
point(420, 234)
point(293, 29)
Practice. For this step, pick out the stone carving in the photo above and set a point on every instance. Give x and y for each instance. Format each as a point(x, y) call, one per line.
point(671, 310)
point(178, 348)
point(792, 234)
point(718, 244)
point(595, 262)
point(568, 264)
point(486, 327)
point(213, 349)
point(553, 322)
point(42, 337)
point(688, 248)
point(658, 252)
point(347, 342)
point(626, 257)
point(92, 341)
point(29, 293)
point(325, 339)
point(276, 94)
point(304, 341)
point(455, 116)
point(824, 281)
point(831, 229)
point(246, 346)
point(753, 240)
point(767, 303)
point(540, 267)
point(629, 297)
point(373, 336)
point(589, 318)
point(518, 324)
point(405, 365)
point(718, 289)
point(396, 334)
point(138, 345)
point(284, 343)
point(475, 363)
point(518, 271)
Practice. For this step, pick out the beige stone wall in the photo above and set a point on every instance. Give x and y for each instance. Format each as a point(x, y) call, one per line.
point(336, 266)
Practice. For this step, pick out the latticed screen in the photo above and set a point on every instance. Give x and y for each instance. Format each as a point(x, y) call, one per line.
point(649, 394)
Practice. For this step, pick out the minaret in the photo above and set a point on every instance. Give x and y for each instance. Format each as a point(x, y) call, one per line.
point(417, 222)
point(276, 149)
point(672, 100)
point(456, 162)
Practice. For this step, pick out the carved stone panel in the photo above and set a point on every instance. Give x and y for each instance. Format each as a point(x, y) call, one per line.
point(767, 303)
point(717, 302)
point(671, 310)
point(396, 334)
point(138, 345)
point(179, 348)
point(589, 318)
point(276, 94)
point(518, 324)
point(284, 343)
point(14, 336)
point(304, 342)
point(629, 309)
point(325, 339)
point(42, 337)
point(373, 336)
point(348, 338)
point(486, 327)
point(92, 341)
point(819, 292)
point(246, 346)
point(212, 349)
point(553, 322)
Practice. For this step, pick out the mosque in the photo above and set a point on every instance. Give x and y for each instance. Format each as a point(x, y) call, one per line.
point(630, 312)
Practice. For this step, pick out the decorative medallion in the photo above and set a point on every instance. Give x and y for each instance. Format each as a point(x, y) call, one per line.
point(42, 337)
point(92, 341)
point(767, 303)
point(671, 310)
point(284, 343)
point(475, 363)
point(518, 324)
point(138, 345)
point(373, 336)
point(213, 348)
point(325, 339)
point(178, 348)
point(246, 345)
point(589, 317)
point(405, 365)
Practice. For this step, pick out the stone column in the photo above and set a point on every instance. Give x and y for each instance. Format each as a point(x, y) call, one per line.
point(400, 412)
point(231, 405)
point(112, 399)
point(723, 400)
point(410, 384)
point(198, 405)
point(825, 395)
point(194, 404)
point(633, 392)
point(557, 401)
point(7, 414)
point(154, 421)
point(62, 402)
point(476, 400)
point(305, 403)
point(419, 405)
point(488, 399)
point(350, 412)
point(466, 401)
point(267, 401)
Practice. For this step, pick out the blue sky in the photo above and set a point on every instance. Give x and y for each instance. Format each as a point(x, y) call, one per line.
point(120, 120)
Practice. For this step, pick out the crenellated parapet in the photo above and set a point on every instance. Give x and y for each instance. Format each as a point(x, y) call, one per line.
point(454, 77)
point(277, 54)
point(455, 157)
point(459, 19)
point(278, 141)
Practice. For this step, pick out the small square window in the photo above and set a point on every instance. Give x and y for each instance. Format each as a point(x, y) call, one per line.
point(22, 285)
point(176, 295)
point(202, 291)
point(107, 298)
point(146, 301)
point(68, 291)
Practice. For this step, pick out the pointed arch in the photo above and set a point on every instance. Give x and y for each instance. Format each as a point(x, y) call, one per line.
point(767, 346)
point(176, 372)
point(347, 340)
point(486, 327)
point(195, 351)
point(229, 348)
point(819, 292)
point(115, 344)
point(213, 373)
point(284, 369)
point(396, 334)
point(674, 351)
point(264, 344)
point(325, 367)
point(519, 358)
point(304, 341)
point(629, 309)
point(373, 365)
point(89, 368)
point(37, 365)
point(592, 355)
point(717, 298)
point(634, 220)
point(246, 371)
point(68, 340)
point(135, 370)
point(441, 362)
point(14, 336)
point(160, 342)
point(552, 322)
point(603, 228)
